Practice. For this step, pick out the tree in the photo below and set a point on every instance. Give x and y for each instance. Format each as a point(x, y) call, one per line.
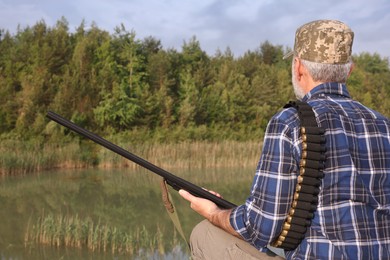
point(189, 96)
point(271, 54)
point(9, 83)
point(121, 106)
point(161, 108)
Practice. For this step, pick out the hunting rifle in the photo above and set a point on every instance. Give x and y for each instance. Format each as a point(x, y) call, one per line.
point(175, 182)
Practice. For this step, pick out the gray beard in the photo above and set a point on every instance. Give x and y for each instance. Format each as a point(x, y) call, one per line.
point(299, 94)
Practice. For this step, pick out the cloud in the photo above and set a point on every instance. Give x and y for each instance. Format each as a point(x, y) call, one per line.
point(217, 24)
point(27, 13)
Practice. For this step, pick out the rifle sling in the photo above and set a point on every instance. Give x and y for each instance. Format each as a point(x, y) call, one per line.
point(171, 209)
point(305, 200)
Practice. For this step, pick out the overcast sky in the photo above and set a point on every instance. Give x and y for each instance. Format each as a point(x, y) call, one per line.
point(239, 24)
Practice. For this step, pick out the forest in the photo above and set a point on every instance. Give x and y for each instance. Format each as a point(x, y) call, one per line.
point(118, 85)
point(116, 82)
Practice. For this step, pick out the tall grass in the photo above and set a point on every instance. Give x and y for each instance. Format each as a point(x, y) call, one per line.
point(72, 231)
point(19, 157)
point(189, 155)
point(22, 157)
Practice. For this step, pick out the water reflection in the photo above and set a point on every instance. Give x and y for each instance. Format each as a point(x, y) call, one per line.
point(122, 199)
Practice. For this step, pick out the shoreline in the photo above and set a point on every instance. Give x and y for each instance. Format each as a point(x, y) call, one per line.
point(19, 158)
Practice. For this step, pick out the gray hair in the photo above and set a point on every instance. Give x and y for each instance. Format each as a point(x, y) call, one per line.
point(328, 72)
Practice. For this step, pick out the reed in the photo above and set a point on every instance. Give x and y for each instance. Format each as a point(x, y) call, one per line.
point(14, 159)
point(71, 231)
point(18, 157)
point(23, 157)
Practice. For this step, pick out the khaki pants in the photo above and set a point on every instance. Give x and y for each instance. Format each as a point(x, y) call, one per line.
point(212, 243)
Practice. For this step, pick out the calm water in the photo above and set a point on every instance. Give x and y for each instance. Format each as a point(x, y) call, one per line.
point(125, 199)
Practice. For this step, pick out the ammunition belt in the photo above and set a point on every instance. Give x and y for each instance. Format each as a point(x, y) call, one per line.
point(311, 165)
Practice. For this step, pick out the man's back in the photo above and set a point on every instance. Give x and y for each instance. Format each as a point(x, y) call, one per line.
point(353, 216)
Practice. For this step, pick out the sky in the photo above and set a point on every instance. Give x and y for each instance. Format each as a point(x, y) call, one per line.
point(241, 25)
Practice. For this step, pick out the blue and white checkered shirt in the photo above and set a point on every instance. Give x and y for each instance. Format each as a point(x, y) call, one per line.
point(352, 220)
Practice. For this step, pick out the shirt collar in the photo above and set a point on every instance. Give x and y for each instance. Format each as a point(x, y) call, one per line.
point(328, 88)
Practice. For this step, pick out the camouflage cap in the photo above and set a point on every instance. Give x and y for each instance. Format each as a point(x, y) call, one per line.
point(323, 41)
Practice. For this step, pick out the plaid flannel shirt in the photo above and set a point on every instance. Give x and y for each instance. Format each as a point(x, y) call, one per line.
point(352, 220)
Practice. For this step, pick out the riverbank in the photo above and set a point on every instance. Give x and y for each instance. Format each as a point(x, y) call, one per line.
point(23, 157)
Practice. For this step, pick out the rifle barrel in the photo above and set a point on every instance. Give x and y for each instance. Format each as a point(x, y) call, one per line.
point(174, 181)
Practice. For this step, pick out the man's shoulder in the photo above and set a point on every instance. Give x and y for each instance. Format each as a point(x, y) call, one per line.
point(287, 116)
point(346, 107)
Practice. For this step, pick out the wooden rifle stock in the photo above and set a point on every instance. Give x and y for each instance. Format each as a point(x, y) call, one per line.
point(175, 182)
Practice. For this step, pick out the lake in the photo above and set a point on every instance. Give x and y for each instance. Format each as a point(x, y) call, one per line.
point(46, 215)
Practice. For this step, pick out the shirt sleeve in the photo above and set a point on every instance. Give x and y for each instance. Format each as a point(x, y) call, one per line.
point(260, 219)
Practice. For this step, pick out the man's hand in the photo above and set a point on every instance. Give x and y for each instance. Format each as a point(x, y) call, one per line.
point(209, 210)
point(204, 207)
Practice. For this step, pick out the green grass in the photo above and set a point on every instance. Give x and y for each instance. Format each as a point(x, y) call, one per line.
point(72, 231)
point(24, 157)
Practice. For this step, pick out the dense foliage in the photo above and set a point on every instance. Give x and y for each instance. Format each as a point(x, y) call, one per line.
point(116, 83)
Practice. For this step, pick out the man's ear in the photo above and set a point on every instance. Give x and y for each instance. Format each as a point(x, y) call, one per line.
point(351, 69)
point(298, 68)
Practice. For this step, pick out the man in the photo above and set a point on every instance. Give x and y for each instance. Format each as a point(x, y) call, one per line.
point(352, 219)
